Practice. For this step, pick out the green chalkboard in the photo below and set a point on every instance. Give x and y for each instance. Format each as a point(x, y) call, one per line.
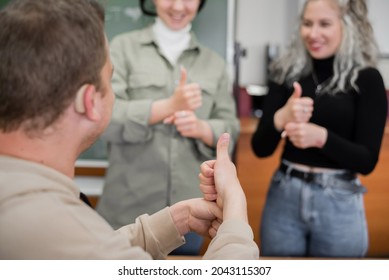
point(3, 2)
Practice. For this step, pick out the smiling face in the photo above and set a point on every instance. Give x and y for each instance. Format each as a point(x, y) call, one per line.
point(177, 14)
point(321, 28)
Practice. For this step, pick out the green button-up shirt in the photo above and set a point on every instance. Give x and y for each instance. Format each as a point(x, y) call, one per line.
point(153, 166)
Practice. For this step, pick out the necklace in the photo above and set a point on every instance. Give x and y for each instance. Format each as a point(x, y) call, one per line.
point(319, 86)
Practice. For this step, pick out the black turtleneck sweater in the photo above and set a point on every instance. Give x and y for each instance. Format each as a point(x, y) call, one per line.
point(355, 122)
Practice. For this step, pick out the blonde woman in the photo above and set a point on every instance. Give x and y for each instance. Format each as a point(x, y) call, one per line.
point(328, 101)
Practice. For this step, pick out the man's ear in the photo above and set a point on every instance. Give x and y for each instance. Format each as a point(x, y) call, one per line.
point(84, 102)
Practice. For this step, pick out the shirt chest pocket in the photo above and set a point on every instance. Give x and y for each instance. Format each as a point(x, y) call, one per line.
point(147, 86)
point(208, 89)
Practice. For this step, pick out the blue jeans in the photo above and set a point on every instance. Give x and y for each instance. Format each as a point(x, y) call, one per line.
point(312, 219)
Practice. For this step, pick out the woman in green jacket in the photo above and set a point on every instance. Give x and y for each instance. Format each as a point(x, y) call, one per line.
point(173, 101)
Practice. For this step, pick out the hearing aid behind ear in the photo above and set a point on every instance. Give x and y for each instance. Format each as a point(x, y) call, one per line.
point(79, 101)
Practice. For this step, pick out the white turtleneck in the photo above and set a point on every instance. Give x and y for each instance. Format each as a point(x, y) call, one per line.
point(171, 42)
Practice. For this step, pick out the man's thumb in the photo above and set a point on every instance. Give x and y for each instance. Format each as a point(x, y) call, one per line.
point(222, 147)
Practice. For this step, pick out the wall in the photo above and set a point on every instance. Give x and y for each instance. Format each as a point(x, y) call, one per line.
point(380, 20)
point(258, 23)
point(378, 10)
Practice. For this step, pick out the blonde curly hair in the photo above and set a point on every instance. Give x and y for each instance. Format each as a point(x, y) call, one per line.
point(358, 50)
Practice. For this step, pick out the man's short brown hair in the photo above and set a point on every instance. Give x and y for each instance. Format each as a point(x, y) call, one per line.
point(48, 49)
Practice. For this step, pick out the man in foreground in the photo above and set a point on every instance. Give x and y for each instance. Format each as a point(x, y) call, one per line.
point(55, 100)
